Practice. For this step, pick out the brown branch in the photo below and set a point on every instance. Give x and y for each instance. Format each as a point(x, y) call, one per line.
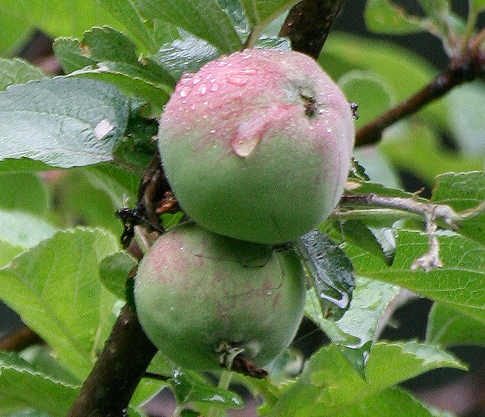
point(308, 24)
point(117, 372)
point(20, 340)
point(467, 68)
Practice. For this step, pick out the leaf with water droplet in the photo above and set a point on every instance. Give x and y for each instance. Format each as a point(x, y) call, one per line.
point(331, 270)
point(189, 386)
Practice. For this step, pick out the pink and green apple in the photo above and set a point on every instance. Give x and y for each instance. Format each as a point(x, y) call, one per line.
point(257, 145)
point(197, 292)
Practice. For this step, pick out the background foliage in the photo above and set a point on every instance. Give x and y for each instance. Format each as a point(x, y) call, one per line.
point(73, 149)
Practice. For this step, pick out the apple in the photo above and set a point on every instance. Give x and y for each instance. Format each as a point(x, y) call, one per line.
point(201, 297)
point(257, 145)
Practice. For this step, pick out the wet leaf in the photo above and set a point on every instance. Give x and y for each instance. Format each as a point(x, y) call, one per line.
point(330, 270)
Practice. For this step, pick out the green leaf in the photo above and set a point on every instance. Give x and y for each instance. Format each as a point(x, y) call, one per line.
point(28, 386)
point(382, 16)
point(8, 251)
point(442, 22)
point(82, 199)
point(137, 149)
point(466, 119)
point(203, 18)
point(127, 12)
point(189, 387)
point(186, 55)
point(120, 186)
point(328, 385)
point(463, 191)
point(23, 191)
point(449, 327)
point(14, 33)
point(41, 358)
point(377, 167)
point(368, 90)
point(390, 402)
point(436, 9)
point(52, 284)
point(478, 4)
point(330, 270)
point(391, 63)
point(108, 55)
point(56, 18)
point(19, 231)
point(17, 71)
point(355, 331)
point(115, 270)
point(380, 242)
point(410, 147)
point(260, 13)
point(69, 53)
point(61, 122)
point(460, 283)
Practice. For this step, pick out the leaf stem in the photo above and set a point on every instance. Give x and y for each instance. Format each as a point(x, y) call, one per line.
point(224, 381)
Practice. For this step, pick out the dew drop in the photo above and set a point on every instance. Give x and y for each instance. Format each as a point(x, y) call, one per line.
point(196, 79)
point(202, 89)
point(232, 79)
point(249, 134)
point(243, 146)
point(248, 71)
point(214, 87)
point(212, 131)
point(184, 91)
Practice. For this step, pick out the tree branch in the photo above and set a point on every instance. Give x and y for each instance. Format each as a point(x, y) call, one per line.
point(126, 355)
point(20, 340)
point(308, 24)
point(429, 211)
point(464, 69)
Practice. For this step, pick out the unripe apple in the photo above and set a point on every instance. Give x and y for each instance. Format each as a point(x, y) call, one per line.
point(257, 145)
point(199, 295)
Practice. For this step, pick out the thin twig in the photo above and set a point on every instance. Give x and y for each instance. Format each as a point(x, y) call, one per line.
point(431, 213)
point(467, 68)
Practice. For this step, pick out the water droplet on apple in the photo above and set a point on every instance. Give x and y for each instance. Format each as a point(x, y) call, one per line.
point(243, 147)
point(202, 89)
point(184, 92)
point(214, 87)
point(235, 80)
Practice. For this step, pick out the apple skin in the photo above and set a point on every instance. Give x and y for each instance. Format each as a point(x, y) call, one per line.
point(195, 290)
point(257, 145)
